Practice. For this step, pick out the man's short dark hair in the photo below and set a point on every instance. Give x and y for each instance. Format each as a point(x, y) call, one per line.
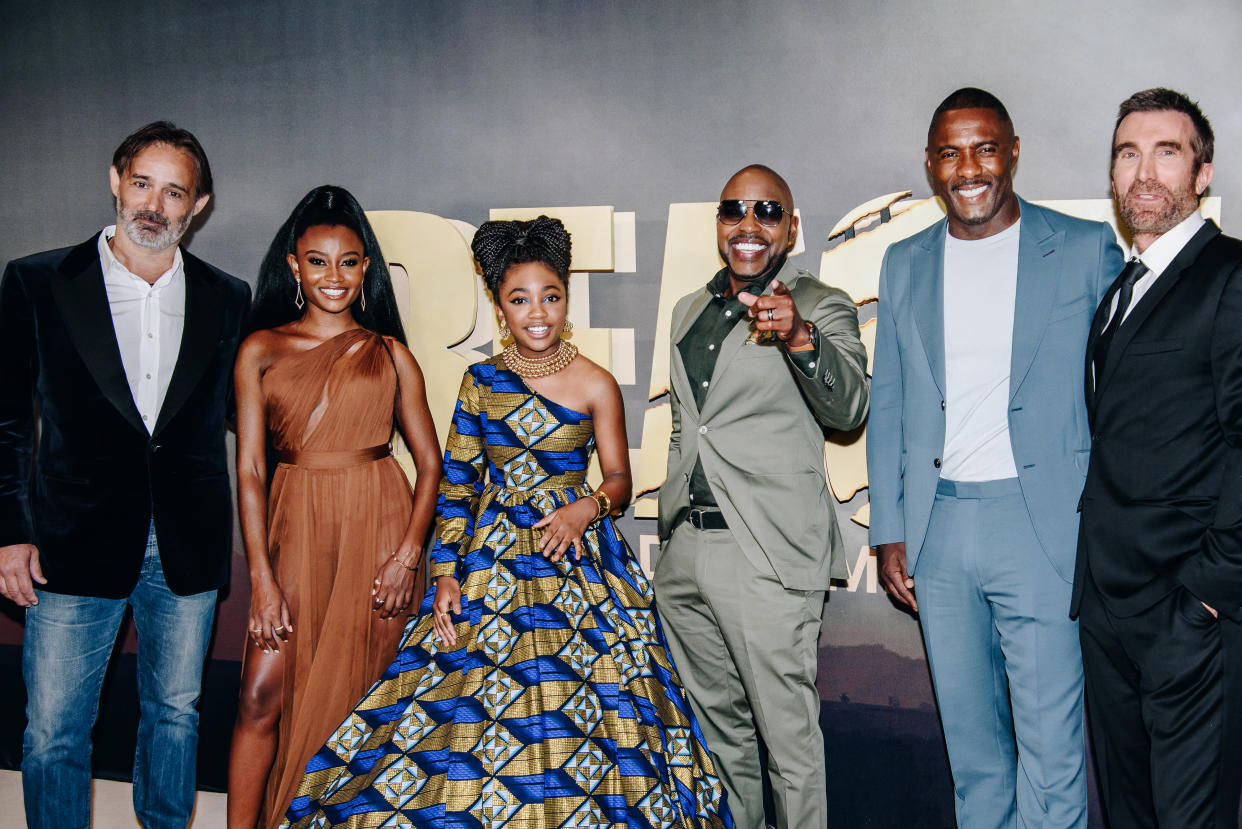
point(970, 97)
point(166, 132)
point(1161, 100)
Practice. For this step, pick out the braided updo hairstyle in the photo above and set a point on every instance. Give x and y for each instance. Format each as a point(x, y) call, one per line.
point(499, 244)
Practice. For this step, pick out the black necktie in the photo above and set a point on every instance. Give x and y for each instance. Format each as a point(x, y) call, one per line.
point(1132, 273)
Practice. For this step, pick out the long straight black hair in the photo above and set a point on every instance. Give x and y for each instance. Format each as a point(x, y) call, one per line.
point(274, 292)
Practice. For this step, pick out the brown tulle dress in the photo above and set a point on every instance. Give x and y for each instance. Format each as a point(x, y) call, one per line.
point(338, 507)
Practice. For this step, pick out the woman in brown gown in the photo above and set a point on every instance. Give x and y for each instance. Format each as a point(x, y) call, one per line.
point(332, 548)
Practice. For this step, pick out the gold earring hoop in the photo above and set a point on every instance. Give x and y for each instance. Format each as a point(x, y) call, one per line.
point(298, 299)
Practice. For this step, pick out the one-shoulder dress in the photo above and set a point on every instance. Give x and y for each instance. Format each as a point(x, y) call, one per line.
point(338, 506)
point(559, 704)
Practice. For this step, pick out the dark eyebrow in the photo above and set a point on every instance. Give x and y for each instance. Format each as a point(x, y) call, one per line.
point(321, 253)
point(1124, 145)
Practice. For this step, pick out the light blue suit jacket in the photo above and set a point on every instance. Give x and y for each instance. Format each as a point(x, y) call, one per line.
point(1065, 265)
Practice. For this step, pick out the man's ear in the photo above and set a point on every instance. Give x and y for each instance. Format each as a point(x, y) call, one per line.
point(1204, 177)
point(201, 202)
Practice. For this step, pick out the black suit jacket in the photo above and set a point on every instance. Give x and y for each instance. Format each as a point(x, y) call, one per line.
point(1162, 506)
point(87, 497)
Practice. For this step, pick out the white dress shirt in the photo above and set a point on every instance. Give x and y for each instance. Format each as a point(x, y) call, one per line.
point(980, 290)
point(148, 321)
point(1157, 258)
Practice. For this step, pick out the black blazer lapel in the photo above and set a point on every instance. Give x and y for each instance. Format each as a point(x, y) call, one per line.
point(1150, 300)
point(204, 315)
point(78, 290)
point(1097, 328)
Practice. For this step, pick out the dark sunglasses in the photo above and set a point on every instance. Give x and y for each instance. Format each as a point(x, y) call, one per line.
point(767, 213)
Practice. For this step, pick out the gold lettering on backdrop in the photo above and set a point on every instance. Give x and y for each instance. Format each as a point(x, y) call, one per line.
point(690, 259)
point(448, 314)
point(437, 292)
point(852, 265)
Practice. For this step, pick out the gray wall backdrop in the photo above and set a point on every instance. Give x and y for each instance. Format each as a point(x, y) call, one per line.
point(455, 108)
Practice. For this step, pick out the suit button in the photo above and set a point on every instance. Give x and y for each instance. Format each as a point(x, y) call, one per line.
point(942, 405)
point(702, 430)
point(155, 447)
point(936, 463)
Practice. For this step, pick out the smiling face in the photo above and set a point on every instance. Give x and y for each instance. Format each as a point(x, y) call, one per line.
point(531, 300)
point(331, 266)
point(155, 199)
point(1155, 181)
point(749, 249)
point(971, 154)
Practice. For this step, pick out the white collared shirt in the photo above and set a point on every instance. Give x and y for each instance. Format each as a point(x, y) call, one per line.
point(1157, 258)
point(148, 321)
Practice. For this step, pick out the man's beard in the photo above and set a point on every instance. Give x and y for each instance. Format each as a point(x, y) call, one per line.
point(1178, 205)
point(158, 240)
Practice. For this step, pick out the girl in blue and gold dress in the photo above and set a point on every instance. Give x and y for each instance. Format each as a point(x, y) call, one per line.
point(535, 688)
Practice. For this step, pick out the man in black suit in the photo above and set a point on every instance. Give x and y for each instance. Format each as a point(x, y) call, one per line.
point(1158, 587)
point(125, 343)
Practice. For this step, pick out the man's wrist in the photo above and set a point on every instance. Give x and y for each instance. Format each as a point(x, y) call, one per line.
point(803, 338)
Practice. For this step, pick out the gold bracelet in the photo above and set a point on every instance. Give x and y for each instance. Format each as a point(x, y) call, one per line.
point(410, 567)
point(604, 502)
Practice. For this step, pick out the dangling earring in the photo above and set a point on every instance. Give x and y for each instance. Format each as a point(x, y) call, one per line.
point(363, 293)
point(298, 300)
point(569, 326)
point(504, 330)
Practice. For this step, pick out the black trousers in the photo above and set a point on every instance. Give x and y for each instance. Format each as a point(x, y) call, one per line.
point(1164, 703)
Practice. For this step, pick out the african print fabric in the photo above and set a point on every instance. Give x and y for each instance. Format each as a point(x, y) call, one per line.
point(559, 705)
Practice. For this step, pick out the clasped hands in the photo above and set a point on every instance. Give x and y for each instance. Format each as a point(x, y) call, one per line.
point(777, 315)
point(270, 622)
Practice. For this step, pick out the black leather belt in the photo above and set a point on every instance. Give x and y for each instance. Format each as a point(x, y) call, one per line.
point(706, 520)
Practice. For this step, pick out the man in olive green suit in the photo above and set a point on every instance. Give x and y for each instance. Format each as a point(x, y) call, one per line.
point(764, 358)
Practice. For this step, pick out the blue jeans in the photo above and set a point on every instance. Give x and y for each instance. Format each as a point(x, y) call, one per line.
point(68, 642)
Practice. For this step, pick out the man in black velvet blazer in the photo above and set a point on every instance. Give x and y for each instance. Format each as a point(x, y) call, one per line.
point(1158, 587)
point(125, 343)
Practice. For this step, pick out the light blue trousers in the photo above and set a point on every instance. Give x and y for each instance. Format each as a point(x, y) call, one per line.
point(1005, 661)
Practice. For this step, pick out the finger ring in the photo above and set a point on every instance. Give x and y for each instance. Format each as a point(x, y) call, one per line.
point(278, 628)
point(769, 315)
point(256, 630)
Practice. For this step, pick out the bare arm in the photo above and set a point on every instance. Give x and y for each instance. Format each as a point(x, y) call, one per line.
point(269, 620)
point(395, 582)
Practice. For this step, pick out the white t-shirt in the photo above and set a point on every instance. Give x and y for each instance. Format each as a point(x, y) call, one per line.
point(980, 287)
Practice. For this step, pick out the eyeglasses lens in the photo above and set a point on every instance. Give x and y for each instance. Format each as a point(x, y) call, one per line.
point(767, 213)
point(731, 212)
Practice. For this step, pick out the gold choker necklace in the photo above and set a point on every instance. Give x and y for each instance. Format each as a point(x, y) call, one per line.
point(539, 366)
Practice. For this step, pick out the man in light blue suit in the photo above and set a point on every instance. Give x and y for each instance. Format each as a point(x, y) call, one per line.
point(977, 453)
